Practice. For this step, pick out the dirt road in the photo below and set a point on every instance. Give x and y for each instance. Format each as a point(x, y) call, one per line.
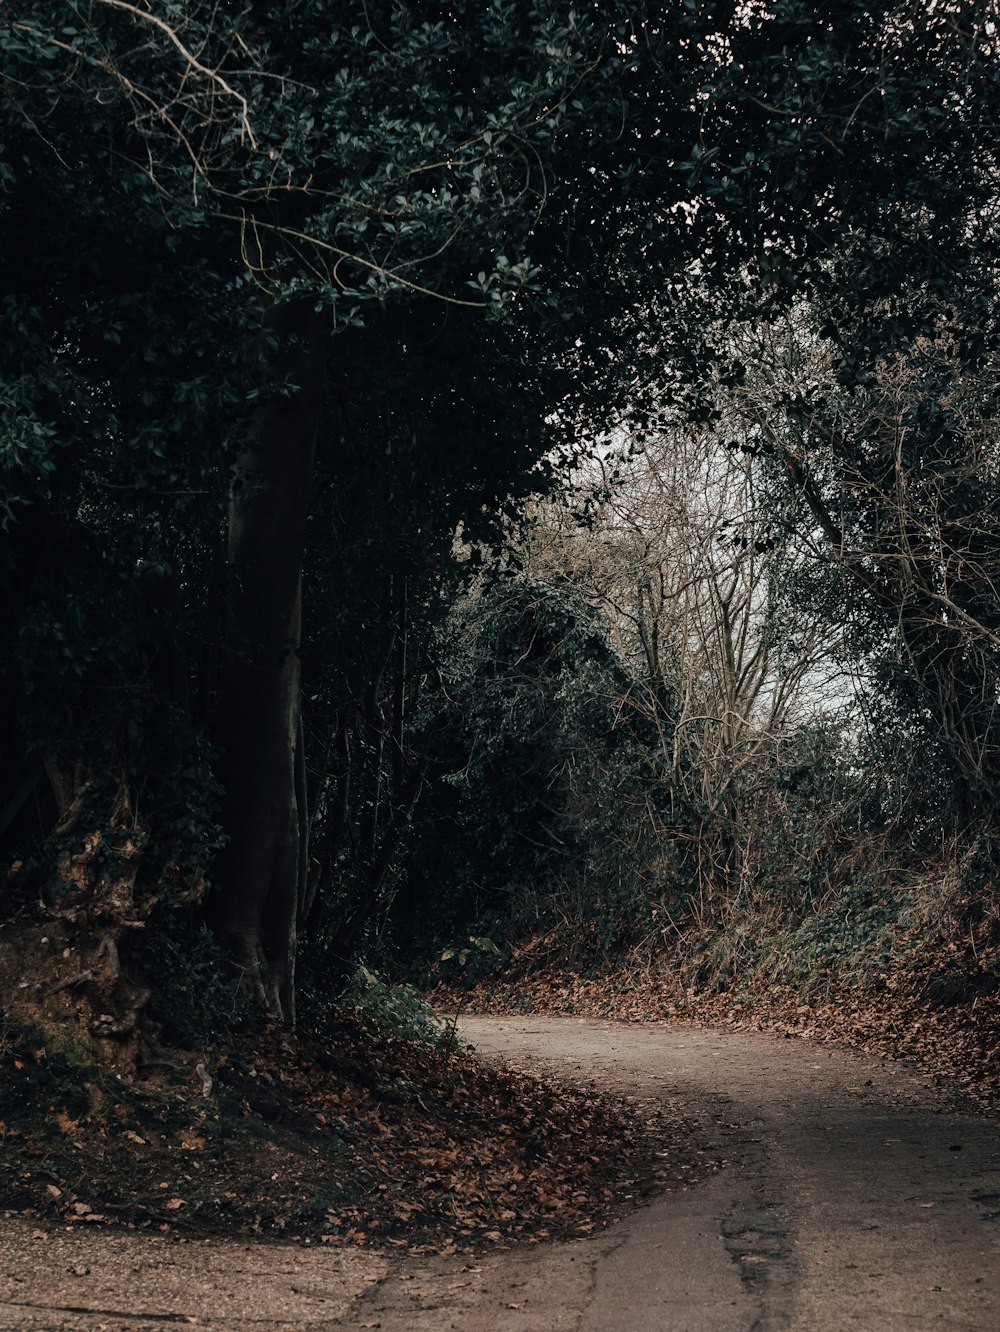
point(853, 1198)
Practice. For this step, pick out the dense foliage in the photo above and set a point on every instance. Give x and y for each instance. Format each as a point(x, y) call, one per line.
point(823, 629)
point(301, 302)
point(541, 779)
point(297, 332)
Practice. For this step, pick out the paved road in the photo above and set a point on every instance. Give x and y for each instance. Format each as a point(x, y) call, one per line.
point(854, 1200)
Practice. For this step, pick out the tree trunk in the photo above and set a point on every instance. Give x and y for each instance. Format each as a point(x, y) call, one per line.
point(259, 712)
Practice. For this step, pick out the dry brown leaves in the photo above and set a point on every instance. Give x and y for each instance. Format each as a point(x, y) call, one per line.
point(957, 1044)
point(343, 1137)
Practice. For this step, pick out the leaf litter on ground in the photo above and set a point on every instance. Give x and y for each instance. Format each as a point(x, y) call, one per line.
point(954, 1042)
point(337, 1136)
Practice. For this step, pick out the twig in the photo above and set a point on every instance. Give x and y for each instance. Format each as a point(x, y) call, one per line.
point(190, 57)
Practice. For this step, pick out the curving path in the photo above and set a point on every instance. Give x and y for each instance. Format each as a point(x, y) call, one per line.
point(853, 1199)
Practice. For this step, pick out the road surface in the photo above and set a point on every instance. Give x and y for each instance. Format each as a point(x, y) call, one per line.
point(853, 1198)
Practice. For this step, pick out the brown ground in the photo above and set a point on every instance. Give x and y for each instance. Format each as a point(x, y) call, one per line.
point(94, 1279)
point(851, 1194)
point(345, 1137)
point(956, 1042)
point(367, 1164)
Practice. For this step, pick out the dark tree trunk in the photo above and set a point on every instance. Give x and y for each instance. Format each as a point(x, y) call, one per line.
point(259, 713)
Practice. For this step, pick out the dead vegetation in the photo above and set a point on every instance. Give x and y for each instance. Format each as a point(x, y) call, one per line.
point(340, 1135)
point(939, 1011)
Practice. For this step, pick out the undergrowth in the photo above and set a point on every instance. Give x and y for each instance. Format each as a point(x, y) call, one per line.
point(396, 1010)
point(932, 932)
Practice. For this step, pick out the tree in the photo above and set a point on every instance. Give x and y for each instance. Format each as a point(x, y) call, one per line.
point(121, 408)
point(898, 479)
point(847, 202)
point(687, 558)
point(538, 778)
point(453, 415)
point(282, 186)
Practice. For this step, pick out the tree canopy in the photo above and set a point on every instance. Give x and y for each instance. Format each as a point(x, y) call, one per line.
point(301, 302)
